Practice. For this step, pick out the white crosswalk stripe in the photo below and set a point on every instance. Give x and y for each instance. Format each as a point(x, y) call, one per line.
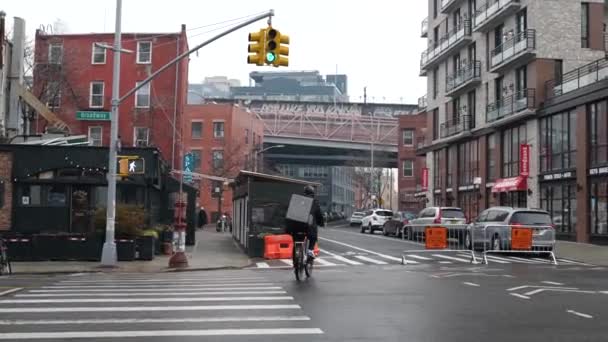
point(373, 261)
point(92, 308)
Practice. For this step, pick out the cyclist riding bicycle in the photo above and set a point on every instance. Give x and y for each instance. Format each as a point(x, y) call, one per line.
point(317, 220)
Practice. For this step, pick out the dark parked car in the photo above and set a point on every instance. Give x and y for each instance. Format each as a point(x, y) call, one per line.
point(395, 225)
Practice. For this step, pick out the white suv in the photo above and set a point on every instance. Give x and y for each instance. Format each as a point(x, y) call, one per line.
point(375, 219)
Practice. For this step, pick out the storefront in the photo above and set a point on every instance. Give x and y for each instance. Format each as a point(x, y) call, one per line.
point(512, 192)
point(598, 203)
point(558, 197)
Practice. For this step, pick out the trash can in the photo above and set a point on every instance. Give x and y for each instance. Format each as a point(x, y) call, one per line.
point(125, 249)
point(145, 247)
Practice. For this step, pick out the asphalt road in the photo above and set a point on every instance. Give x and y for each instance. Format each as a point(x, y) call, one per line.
point(428, 301)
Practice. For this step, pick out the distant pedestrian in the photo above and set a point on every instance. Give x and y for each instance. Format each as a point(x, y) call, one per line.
point(202, 218)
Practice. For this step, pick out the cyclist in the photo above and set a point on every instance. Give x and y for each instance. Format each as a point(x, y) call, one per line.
point(317, 220)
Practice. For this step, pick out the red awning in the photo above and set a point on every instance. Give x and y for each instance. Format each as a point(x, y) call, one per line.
point(510, 184)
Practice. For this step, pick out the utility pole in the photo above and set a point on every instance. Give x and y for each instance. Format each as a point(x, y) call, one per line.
point(372, 177)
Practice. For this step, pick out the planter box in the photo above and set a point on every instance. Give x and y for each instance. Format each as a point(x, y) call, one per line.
point(255, 247)
point(145, 247)
point(125, 249)
point(75, 247)
point(92, 247)
point(20, 248)
point(49, 247)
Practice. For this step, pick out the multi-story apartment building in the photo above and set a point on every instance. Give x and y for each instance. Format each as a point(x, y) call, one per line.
point(488, 67)
point(73, 76)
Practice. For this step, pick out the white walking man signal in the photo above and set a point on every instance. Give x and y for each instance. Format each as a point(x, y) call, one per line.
point(132, 166)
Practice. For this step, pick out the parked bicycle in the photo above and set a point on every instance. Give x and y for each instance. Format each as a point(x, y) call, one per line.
point(5, 262)
point(301, 262)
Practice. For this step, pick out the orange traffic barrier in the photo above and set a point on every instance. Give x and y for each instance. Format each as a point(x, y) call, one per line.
point(278, 246)
point(521, 238)
point(436, 237)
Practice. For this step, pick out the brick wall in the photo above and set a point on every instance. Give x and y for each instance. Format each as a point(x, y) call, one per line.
point(6, 166)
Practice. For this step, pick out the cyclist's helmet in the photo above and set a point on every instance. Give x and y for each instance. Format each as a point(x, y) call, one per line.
point(309, 190)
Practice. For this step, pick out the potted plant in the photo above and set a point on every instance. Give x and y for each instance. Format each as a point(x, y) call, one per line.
point(130, 219)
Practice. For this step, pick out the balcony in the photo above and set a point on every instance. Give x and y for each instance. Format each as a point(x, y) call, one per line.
point(578, 78)
point(457, 38)
point(422, 103)
point(518, 103)
point(464, 79)
point(493, 12)
point(448, 5)
point(424, 32)
point(453, 127)
point(514, 52)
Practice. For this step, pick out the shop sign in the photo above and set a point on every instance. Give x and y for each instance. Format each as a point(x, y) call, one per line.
point(524, 160)
point(598, 171)
point(560, 175)
point(425, 178)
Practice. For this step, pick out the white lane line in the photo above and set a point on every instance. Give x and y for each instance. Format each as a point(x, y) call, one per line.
point(518, 288)
point(544, 261)
point(580, 314)
point(143, 294)
point(166, 289)
point(451, 258)
point(341, 258)
point(519, 296)
point(389, 257)
point(3, 293)
point(527, 261)
point(373, 261)
point(533, 292)
point(156, 320)
point(288, 262)
point(324, 262)
point(149, 308)
point(150, 286)
point(214, 279)
point(166, 283)
point(158, 333)
point(470, 284)
point(262, 265)
point(552, 283)
point(419, 257)
point(498, 259)
point(445, 262)
point(141, 300)
point(566, 261)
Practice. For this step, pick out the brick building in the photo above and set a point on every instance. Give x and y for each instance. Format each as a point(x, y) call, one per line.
point(224, 138)
point(73, 77)
point(411, 167)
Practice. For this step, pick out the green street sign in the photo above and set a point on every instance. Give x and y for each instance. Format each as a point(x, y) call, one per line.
point(91, 115)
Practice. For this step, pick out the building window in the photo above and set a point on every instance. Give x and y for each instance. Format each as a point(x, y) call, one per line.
point(491, 156)
point(218, 159)
point(472, 106)
point(559, 199)
point(55, 53)
point(437, 161)
point(196, 157)
point(408, 168)
point(521, 21)
point(218, 129)
point(558, 142)
point(144, 52)
point(585, 25)
point(599, 208)
point(31, 195)
point(98, 54)
point(511, 140)
point(435, 8)
point(197, 130)
point(435, 123)
point(521, 79)
point(247, 136)
point(515, 199)
point(408, 137)
point(141, 136)
point(468, 165)
point(53, 94)
point(96, 94)
point(451, 164)
point(142, 96)
point(435, 83)
point(598, 135)
point(95, 135)
point(469, 202)
point(55, 195)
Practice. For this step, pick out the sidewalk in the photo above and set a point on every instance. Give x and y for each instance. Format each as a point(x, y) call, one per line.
point(212, 250)
point(592, 254)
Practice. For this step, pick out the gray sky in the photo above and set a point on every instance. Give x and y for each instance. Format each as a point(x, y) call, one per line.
point(376, 43)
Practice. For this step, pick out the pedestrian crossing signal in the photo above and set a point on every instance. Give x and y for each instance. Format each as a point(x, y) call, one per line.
point(130, 165)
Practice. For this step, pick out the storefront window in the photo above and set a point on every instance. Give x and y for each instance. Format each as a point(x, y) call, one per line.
point(598, 124)
point(599, 208)
point(558, 142)
point(468, 162)
point(452, 163)
point(559, 199)
point(437, 171)
point(31, 195)
point(56, 195)
point(469, 202)
point(515, 199)
point(511, 140)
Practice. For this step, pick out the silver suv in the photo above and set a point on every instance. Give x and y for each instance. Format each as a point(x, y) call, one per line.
point(492, 228)
point(452, 217)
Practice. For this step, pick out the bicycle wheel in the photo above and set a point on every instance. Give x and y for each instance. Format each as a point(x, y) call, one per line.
point(298, 260)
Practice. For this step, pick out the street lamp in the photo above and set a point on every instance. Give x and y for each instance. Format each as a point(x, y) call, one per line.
point(262, 151)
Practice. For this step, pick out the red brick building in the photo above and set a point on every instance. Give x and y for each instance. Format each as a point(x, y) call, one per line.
point(73, 77)
point(224, 139)
point(411, 167)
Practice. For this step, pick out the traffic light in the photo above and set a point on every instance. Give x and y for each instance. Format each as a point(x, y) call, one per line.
point(123, 166)
point(257, 50)
point(277, 51)
point(130, 165)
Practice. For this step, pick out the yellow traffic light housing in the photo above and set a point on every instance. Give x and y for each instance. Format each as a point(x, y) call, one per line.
point(257, 50)
point(277, 51)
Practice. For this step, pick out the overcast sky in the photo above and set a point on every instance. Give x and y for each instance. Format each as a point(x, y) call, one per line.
point(376, 43)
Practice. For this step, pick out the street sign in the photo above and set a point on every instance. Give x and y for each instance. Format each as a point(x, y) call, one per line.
point(92, 116)
point(188, 167)
point(130, 165)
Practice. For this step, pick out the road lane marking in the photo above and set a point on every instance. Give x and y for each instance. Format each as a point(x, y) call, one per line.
point(451, 258)
point(341, 258)
point(533, 292)
point(566, 261)
point(149, 308)
point(389, 257)
point(418, 257)
point(128, 281)
point(150, 286)
point(519, 296)
point(527, 261)
point(166, 289)
point(324, 262)
point(373, 261)
point(141, 300)
point(165, 283)
point(288, 262)
point(470, 284)
point(580, 314)
point(142, 294)
point(155, 320)
point(498, 259)
point(544, 287)
point(551, 283)
point(544, 261)
point(445, 262)
point(262, 265)
point(158, 333)
point(3, 293)
point(377, 237)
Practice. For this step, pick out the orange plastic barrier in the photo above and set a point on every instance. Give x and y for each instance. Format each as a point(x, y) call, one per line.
point(521, 238)
point(436, 237)
point(278, 246)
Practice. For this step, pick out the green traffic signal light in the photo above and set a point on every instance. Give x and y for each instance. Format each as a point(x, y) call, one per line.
point(270, 57)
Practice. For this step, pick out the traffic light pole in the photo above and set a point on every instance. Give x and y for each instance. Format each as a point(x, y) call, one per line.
point(108, 255)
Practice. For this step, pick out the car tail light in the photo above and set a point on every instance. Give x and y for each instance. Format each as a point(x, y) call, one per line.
point(516, 224)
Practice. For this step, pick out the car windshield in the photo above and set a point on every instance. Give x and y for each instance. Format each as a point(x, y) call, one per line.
point(409, 216)
point(530, 217)
point(384, 213)
point(452, 213)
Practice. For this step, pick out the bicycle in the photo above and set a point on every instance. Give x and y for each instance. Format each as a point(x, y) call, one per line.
point(5, 262)
point(301, 262)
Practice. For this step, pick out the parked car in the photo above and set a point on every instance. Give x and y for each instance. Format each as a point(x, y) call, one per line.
point(394, 226)
point(356, 217)
point(492, 228)
point(452, 217)
point(374, 219)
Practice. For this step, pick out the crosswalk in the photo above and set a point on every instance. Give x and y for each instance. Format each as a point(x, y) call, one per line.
point(354, 258)
point(120, 306)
